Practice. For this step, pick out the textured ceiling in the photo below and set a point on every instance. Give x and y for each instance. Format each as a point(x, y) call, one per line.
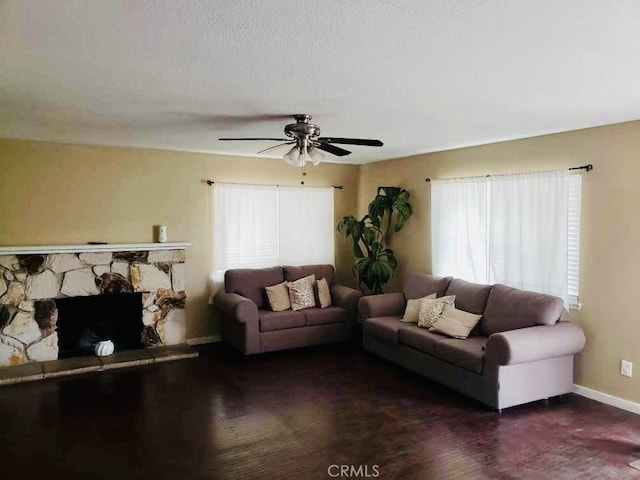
point(419, 75)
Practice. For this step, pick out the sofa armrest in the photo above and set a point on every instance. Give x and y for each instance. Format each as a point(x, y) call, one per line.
point(384, 305)
point(236, 307)
point(534, 343)
point(345, 297)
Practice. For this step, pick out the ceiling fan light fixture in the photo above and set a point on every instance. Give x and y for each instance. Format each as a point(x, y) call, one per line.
point(315, 155)
point(292, 157)
point(299, 156)
point(304, 157)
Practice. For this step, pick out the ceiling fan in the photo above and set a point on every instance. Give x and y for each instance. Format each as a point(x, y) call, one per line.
point(307, 142)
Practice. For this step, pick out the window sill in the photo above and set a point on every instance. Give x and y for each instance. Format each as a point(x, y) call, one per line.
point(575, 306)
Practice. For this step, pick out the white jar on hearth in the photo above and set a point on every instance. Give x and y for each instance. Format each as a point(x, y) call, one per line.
point(104, 348)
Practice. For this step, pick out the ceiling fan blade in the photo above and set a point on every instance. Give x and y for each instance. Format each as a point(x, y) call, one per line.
point(351, 141)
point(275, 146)
point(266, 139)
point(327, 147)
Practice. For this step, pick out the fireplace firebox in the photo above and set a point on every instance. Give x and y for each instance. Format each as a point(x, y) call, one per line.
point(84, 321)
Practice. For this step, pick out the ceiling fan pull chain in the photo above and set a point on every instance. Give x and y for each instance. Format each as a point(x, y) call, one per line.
point(304, 174)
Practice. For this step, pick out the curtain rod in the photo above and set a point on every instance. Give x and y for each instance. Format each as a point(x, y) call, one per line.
point(587, 168)
point(211, 182)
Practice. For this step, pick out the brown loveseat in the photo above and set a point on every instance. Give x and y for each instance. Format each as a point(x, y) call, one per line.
point(250, 326)
point(522, 350)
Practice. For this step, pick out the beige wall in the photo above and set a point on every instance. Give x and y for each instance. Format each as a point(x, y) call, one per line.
point(54, 193)
point(71, 194)
point(610, 250)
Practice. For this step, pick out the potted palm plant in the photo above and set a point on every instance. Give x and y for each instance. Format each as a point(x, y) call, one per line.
point(375, 263)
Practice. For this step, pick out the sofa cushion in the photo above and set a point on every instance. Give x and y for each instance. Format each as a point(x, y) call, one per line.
point(324, 293)
point(250, 282)
point(278, 297)
point(430, 310)
point(385, 328)
point(467, 354)
point(322, 316)
point(455, 323)
point(470, 297)
point(510, 308)
point(270, 321)
point(292, 274)
point(412, 311)
point(418, 285)
point(419, 338)
point(302, 293)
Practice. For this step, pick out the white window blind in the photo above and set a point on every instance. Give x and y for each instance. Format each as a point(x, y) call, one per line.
point(306, 225)
point(256, 226)
point(245, 227)
point(521, 230)
point(573, 237)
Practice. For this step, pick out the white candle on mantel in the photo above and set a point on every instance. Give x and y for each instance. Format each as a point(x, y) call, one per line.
point(162, 233)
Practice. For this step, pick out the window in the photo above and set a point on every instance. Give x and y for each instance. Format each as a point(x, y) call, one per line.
point(257, 226)
point(521, 230)
point(459, 228)
point(306, 226)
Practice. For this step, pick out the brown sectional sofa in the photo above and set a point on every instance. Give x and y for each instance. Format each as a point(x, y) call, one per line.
point(522, 350)
point(250, 326)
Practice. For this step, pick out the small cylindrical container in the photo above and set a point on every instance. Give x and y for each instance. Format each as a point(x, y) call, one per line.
point(162, 233)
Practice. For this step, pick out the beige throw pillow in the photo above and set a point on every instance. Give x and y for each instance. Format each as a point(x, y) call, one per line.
point(430, 310)
point(301, 293)
point(455, 323)
point(413, 308)
point(278, 296)
point(324, 294)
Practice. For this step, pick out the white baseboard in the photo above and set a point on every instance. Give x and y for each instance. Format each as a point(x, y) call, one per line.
point(203, 340)
point(601, 397)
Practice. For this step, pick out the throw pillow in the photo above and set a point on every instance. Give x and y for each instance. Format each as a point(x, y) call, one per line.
point(430, 310)
point(324, 294)
point(413, 308)
point(301, 293)
point(278, 296)
point(455, 323)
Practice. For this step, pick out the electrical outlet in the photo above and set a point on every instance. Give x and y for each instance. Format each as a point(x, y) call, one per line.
point(626, 368)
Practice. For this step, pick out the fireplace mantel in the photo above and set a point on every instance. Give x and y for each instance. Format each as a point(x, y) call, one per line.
point(107, 247)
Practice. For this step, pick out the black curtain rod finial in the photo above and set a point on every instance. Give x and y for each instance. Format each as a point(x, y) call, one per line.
point(588, 168)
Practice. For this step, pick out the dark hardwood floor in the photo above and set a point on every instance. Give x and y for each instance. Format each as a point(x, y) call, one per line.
point(293, 415)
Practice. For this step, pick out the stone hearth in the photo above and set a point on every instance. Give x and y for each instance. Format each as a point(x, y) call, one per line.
point(33, 371)
point(30, 283)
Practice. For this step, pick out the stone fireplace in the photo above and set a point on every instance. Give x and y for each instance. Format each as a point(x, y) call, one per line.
point(45, 309)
